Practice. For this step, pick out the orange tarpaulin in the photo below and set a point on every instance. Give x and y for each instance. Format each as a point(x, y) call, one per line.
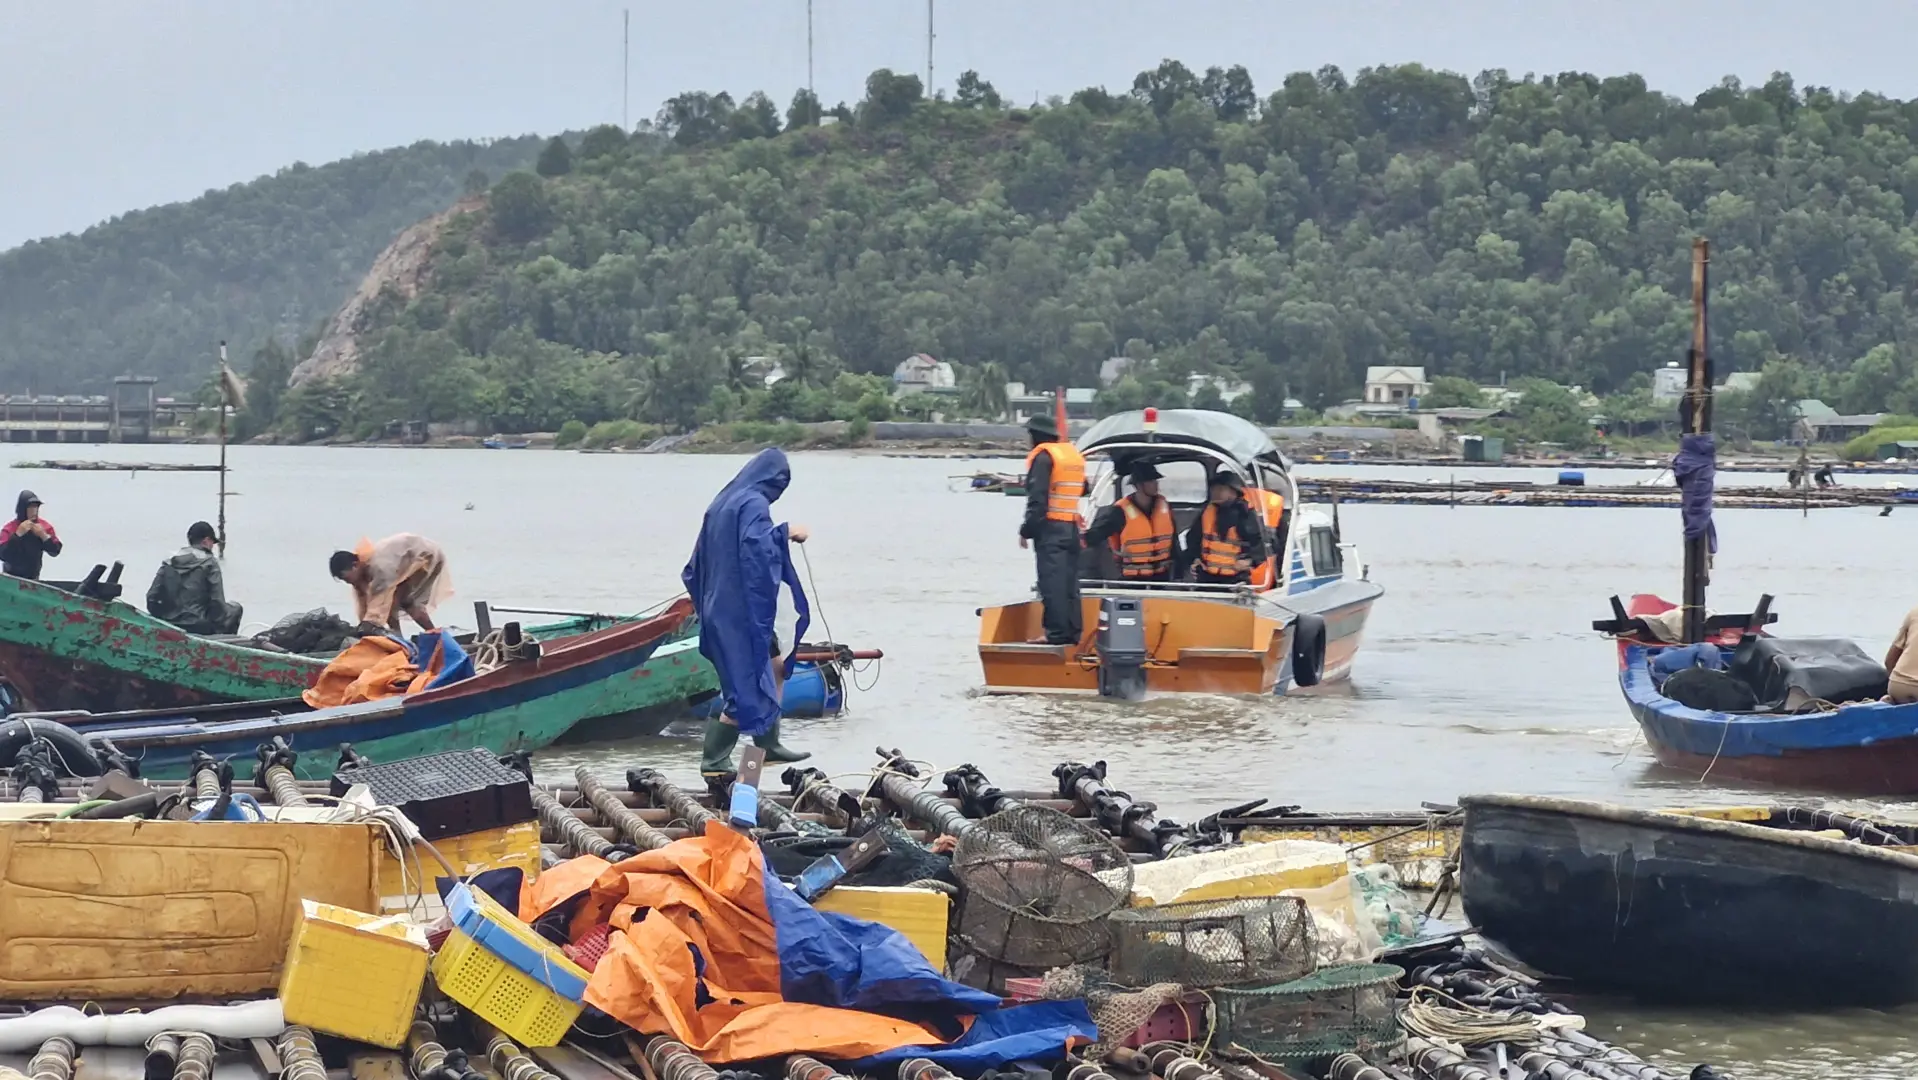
point(709, 894)
point(371, 668)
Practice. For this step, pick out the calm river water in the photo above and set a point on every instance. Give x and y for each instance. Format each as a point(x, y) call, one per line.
point(1480, 671)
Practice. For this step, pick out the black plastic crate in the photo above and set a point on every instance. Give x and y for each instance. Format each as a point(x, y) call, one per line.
point(449, 794)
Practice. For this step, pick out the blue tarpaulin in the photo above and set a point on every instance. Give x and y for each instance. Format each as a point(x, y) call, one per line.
point(1695, 467)
point(1667, 662)
point(738, 564)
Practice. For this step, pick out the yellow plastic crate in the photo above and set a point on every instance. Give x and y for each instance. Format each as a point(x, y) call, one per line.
point(919, 914)
point(354, 975)
point(529, 1012)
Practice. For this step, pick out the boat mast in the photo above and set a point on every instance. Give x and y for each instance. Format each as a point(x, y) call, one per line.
point(1698, 421)
point(226, 381)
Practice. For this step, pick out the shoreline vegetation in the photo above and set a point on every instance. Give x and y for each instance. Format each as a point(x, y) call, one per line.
point(739, 273)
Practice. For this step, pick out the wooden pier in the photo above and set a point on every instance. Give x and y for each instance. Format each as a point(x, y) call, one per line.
point(1507, 493)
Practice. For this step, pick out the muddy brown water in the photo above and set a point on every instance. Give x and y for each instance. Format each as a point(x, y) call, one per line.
point(1479, 670)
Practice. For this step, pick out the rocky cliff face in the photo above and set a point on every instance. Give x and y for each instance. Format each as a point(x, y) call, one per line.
point(402, 267)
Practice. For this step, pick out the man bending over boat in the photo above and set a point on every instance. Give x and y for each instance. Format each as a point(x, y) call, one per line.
point(188, 590)
point(739, 562)
point(1901, 663)
point(402, 574)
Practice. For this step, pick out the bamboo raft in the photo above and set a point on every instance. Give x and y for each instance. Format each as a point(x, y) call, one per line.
point(590, 812)
point(1506, 493)
point(117, 466)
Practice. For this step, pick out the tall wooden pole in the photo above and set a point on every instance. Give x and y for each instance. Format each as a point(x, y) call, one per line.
point(1059, 413)
point(220, 529)
point(1698, 421)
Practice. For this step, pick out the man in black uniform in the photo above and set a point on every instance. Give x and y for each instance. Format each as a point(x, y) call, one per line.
point(1055, 480)
point(1228, 539)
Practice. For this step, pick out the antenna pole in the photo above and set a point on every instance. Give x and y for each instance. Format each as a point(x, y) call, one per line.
point(224, 401)
point(929, 4)
point(625, 66)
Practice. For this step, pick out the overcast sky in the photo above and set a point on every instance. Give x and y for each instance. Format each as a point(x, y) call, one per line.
point(113, 105)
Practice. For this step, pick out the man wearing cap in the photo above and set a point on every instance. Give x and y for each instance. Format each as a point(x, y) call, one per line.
point(1139, 529)
point(27, 539)
point(1055, 480)
point(1228, 539)
point(189, 591)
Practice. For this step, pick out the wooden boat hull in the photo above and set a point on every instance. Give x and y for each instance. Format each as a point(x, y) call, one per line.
point(521, 706)
point(1860, 749)
point(1688, 908)
point(64, 652)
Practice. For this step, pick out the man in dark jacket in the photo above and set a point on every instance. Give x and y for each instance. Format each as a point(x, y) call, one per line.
point(27, 539)
point(188, 591)
point(1227, 539)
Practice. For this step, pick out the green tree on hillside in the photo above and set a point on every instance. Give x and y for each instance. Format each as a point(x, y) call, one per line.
point(556, 159)
point(1452, 392)
point(973, 92)
point(521, 208)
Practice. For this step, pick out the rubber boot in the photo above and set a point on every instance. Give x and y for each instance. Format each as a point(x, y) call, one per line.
point(717, 758)
point(769, 742)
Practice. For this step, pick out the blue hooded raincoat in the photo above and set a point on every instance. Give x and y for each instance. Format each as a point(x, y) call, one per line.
point(734, 577)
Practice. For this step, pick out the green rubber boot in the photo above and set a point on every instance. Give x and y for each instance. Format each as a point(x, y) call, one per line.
point(717, 758)
point(769, 742)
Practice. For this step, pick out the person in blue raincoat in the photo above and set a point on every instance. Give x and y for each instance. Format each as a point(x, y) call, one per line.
point(738, 565)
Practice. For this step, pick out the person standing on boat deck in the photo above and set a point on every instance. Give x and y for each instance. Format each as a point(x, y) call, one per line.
point(1228, 539)
point(1055, 479)
point(739, 562)
point(402, 574)
point(1138, 528)
point(1901, 663)
point(26, 539)
point(188, 590)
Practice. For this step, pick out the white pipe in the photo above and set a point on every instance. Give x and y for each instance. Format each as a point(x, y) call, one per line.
point(248, 1020)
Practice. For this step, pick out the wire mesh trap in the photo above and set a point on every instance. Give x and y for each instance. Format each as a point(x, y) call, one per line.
point(1335, 1010)
point(1040, 888)
point(1211, 943)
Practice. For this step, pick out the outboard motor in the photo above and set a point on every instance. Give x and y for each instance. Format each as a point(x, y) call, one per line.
point(1122, 649)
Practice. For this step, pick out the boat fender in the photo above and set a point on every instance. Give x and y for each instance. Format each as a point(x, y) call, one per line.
point(1308, 649)
point(71, 754)
point(252, 1020)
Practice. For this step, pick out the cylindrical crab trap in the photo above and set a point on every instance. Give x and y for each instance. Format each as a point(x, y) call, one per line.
point(1335, 1010)
point(1209, 943)
point(1039, 888)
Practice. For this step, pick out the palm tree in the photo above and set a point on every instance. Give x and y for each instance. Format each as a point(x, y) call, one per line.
point(984, 393)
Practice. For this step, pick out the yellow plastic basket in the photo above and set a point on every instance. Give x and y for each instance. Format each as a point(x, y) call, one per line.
point(529, 1012)
point(354, 975)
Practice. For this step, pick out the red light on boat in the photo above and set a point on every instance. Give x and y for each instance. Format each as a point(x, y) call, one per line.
point(1151, 417)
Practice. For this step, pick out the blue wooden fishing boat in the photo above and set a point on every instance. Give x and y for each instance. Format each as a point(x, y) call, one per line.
point(1738, 704)
point(521, 705)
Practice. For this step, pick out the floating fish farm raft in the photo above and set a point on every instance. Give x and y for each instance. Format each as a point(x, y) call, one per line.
point(1506, 493)
point(251, 923)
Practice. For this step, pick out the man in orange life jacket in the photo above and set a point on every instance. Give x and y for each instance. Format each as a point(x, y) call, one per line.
point(1227, 541)
point(1055, 479)
point(1139, 529)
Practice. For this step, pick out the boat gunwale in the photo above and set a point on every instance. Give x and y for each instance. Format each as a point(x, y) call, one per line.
point(1609, 813)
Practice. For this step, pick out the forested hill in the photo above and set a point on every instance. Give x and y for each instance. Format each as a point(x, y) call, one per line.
point(1481, 228)
point(150, 292)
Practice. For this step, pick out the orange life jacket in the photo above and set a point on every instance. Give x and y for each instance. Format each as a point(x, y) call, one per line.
point(1271, 508)
point(1144, 546)
point(1068, 479)
point(1221, 555)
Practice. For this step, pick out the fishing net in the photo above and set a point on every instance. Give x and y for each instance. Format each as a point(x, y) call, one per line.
point(1344, 1009)
point(317, 631)
point(906, 860)
point(1117, 1011)
point(1039, 888)
point(1214, 942)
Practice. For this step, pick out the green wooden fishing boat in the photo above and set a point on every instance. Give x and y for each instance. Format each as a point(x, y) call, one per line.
point(65, 652)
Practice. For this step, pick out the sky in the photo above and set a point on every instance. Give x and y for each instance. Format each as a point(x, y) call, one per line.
point(108, 106)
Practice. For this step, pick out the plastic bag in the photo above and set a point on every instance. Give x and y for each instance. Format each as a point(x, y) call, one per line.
point(1345, 934)
point(1386, 906)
